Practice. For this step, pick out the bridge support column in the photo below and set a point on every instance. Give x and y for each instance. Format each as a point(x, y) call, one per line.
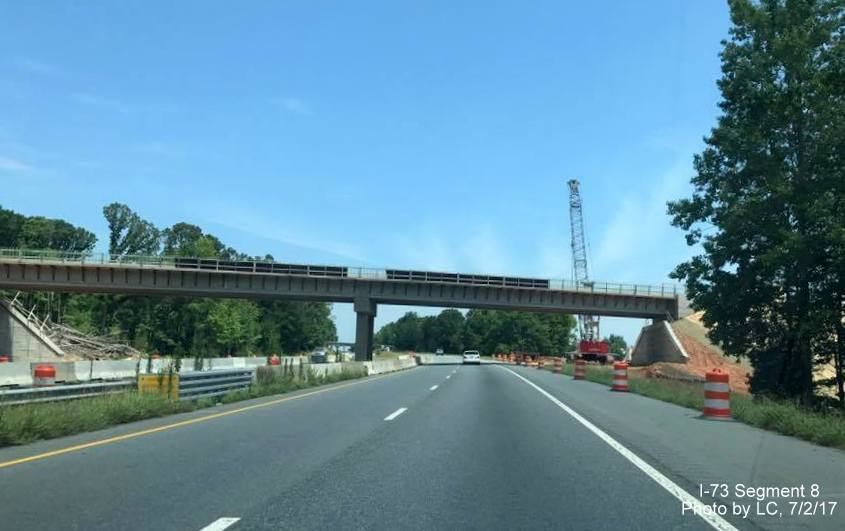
point(365, 312)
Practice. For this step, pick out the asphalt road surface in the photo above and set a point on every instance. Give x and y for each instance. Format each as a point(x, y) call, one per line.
point(437, 447)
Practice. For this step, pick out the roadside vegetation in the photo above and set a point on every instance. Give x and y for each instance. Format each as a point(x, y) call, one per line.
point(27, 423)
point(823, 427)
point(487, 331)
point(169, 326)
point(766, 217)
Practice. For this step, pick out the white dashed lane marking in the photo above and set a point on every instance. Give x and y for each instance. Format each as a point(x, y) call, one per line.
point(396, 413)
point(220, 524)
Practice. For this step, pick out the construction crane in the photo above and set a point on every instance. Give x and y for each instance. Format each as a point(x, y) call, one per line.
point(590, 346)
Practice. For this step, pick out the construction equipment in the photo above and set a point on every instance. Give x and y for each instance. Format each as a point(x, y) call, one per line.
point(590, 346)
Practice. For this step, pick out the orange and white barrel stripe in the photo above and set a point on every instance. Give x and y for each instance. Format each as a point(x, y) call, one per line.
point(717, 395)
point(580, 370)
point(558, 365)
point(620, 376)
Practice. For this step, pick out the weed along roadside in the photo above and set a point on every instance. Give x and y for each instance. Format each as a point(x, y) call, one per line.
point(826, 428)
point(158, 397)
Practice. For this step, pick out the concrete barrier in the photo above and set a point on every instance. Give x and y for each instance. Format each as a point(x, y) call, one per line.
point(104, 370)
point(325, 369)
point(443, 359)
point(383, 366)
point(65, 370)
point(210, 364)
point(15, 373)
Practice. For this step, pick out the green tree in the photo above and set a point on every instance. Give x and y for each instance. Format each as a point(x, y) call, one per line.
point(234, 325)
point(128, 233)
point(36, 232)
point(405, 333)
point(618, 346)
point(448, 331)
point(768, 195)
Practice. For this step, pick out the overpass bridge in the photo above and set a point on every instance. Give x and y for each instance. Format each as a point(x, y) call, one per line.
point(365, 288)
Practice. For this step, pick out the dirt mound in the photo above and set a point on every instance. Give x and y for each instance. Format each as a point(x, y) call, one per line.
point(704, 356)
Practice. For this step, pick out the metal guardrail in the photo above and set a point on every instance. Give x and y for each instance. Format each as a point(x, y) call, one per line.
point(196, 385)
point(312, 270)
point(55, 393)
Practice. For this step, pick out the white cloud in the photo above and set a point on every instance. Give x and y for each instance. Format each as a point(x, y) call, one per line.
point(14, 165)
point(156, 148)
point(292, 105)
point(110, 104)
point(426, 252)
point(638, 238)
point(36, 67)
point(483, 253)
point(554, 260)
point(94, 100)
point(247, 221)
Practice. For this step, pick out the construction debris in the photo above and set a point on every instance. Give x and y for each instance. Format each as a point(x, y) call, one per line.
point(76, 343)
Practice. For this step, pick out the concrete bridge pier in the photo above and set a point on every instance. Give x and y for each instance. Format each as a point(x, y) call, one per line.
point(365, 312)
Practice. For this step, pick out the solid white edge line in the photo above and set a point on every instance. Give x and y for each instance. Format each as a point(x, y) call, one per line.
point(220, 524)
point(432, 388)
point(716, 521)
point(396, 413)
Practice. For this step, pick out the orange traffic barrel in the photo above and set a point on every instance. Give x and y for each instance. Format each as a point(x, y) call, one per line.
point(43, 376)
point(527, 361)
point(558, 364)
point(511, 357)
point(542, 362)
point(620, 376)
point(717, 395)
point(580, 370)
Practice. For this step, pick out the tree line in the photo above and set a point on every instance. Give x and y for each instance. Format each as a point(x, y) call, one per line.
point(768, 209)
point(488, 331)
point(167, 325)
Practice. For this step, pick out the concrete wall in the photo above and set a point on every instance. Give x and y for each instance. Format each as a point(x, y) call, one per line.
point(20, 373)
point(432, 359)
point(324, 369)
point(380, 367)
point(657, 342)
point(21, 341)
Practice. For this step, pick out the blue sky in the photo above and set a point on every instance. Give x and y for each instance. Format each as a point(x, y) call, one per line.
point(433, 135)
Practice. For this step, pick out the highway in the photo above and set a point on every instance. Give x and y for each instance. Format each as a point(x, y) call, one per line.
point(436, 447)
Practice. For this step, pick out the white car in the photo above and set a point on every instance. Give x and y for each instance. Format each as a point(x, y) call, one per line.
point(439, 352)
point(472, 356)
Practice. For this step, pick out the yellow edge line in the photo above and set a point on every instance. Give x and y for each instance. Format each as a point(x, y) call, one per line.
point(101, 442)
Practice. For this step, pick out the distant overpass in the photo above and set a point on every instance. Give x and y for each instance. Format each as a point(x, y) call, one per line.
point(364, 287)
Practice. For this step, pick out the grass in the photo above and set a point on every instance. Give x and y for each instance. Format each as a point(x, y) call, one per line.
point(826, 428)
point(26, 423)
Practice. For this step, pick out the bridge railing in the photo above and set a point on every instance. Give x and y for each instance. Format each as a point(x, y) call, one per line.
point(311, 270)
